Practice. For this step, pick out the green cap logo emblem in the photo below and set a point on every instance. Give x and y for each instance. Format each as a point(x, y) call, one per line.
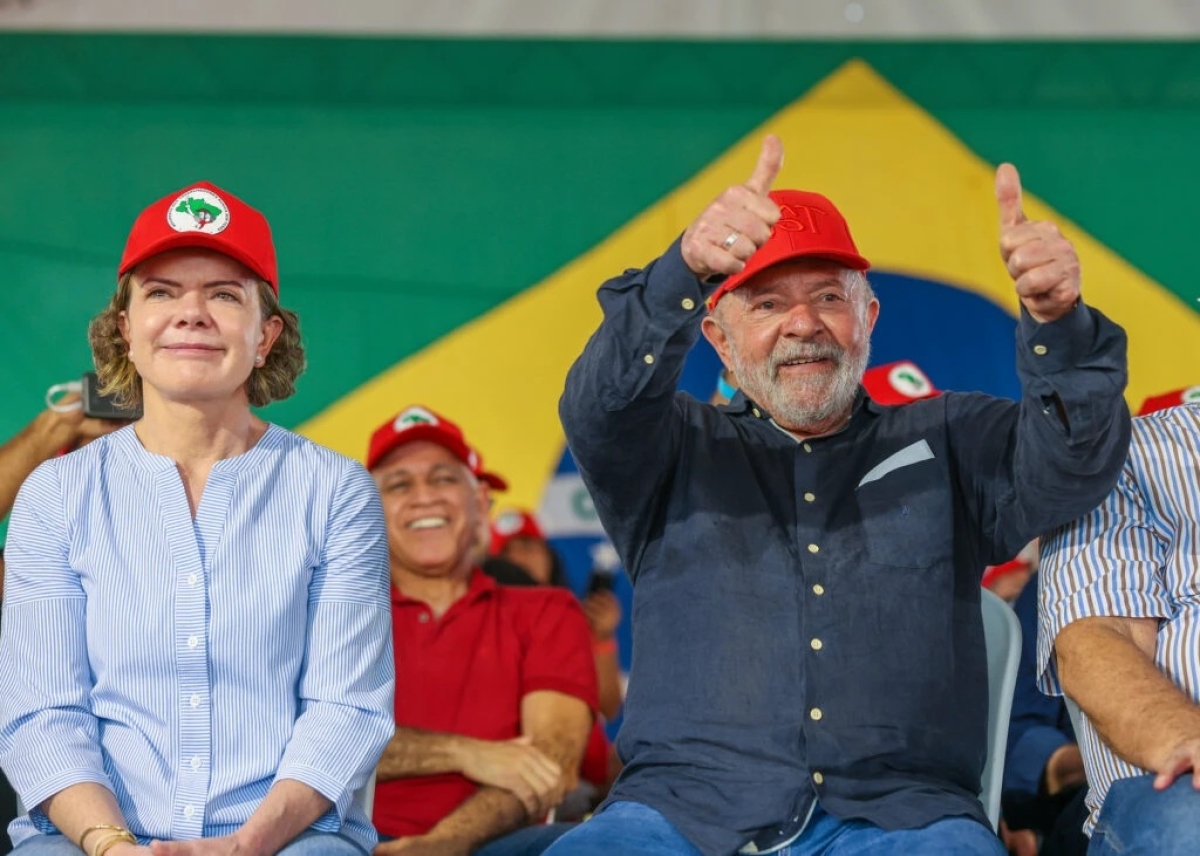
point(909, 380)
point(198, 210)
point(412, 417)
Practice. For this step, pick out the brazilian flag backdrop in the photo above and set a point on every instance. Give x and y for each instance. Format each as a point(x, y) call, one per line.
point(444, 210)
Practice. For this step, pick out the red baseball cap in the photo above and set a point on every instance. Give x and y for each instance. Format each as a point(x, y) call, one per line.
point(514, 523)
point(493, 480)
point(1187, 395)
point(809, 226)
point(204, 215)
point(420, 423)
point(898, 383)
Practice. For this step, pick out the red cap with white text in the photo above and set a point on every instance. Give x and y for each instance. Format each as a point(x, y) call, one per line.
point(203, 215)
point(809, 226)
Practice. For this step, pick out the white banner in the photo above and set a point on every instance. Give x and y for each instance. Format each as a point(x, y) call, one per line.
point(691, 19)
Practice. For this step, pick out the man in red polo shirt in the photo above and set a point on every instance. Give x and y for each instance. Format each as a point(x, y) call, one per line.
point(495, 685)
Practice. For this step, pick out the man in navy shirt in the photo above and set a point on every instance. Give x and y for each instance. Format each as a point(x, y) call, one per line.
point(808, 661)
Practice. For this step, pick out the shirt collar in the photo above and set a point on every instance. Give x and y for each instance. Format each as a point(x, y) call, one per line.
point(126, 439)
point(480, 585)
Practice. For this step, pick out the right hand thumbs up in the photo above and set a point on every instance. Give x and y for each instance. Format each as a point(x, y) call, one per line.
point(737, 222)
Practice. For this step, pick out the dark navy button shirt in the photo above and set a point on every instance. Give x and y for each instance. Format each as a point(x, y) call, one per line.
point(806, 620)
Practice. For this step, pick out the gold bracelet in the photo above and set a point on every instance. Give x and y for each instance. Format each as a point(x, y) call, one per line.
point(97, 828)
point(105, 844)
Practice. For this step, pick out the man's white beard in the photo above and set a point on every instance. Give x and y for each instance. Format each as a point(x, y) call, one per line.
point(804, 403)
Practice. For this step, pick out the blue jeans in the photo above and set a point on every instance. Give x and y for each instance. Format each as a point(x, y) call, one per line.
point(633, 829)
point(530, 841)
point(1136, 819)
point(306, 844)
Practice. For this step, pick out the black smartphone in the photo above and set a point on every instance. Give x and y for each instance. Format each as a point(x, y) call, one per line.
point(601, 581)
point(99, 406)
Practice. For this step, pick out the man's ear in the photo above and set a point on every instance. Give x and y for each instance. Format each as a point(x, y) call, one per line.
point(718, 339)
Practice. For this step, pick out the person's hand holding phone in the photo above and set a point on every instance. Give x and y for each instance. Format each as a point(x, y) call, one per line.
point(603, 611)
point(69, 427)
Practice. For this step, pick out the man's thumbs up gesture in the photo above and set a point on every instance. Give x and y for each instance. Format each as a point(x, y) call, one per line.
point(1040, 260)
point(738, 222)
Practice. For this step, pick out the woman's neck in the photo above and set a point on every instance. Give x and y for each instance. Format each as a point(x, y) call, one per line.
point(198, 434)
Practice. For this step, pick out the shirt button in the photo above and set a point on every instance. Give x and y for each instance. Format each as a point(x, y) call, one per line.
point(817, 644)
point(818, 778)
point(648, 359)
point(688, 304)
point(815, 714)
point(191, 579)
point(195, 762)
point(193, 641)
point(1040, 350)
point(818, 589)
point(807, 447)
point(423, 617)
point(813, 548)
point(810, 497)
point(757, 413)
point(188, 811)
point(195, 700)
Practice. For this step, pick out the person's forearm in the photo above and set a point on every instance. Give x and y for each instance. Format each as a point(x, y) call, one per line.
point(608, 678)
point(414, 752)
point(289, 808)
point(559, 726)
point(486, 814)
point(38, 441)
point(1138, 711)
point(77, 808)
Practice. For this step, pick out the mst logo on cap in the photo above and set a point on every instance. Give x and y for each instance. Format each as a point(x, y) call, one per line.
point(198, 210)
point(414, 416)
point(910, 381)
point(898, 383)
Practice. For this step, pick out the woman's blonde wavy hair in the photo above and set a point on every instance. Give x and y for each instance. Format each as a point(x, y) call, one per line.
point(274, 380)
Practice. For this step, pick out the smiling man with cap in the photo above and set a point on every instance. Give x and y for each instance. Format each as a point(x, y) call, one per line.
point(808, 657)
point(496, 688)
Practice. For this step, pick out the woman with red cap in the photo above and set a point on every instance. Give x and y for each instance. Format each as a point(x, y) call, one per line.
point(196, 656)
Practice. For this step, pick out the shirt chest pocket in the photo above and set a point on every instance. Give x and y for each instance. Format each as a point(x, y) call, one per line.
point(907, 520)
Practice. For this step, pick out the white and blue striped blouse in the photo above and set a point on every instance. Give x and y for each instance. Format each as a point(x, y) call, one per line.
point(187, 664)
point(1138, 556)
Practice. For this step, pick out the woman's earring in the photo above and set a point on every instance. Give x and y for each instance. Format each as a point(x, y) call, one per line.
point(258, 361)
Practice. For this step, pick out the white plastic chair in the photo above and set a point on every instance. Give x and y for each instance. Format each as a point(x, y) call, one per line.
point(366, 796)
point(1076, 716)
point(1002, 635)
